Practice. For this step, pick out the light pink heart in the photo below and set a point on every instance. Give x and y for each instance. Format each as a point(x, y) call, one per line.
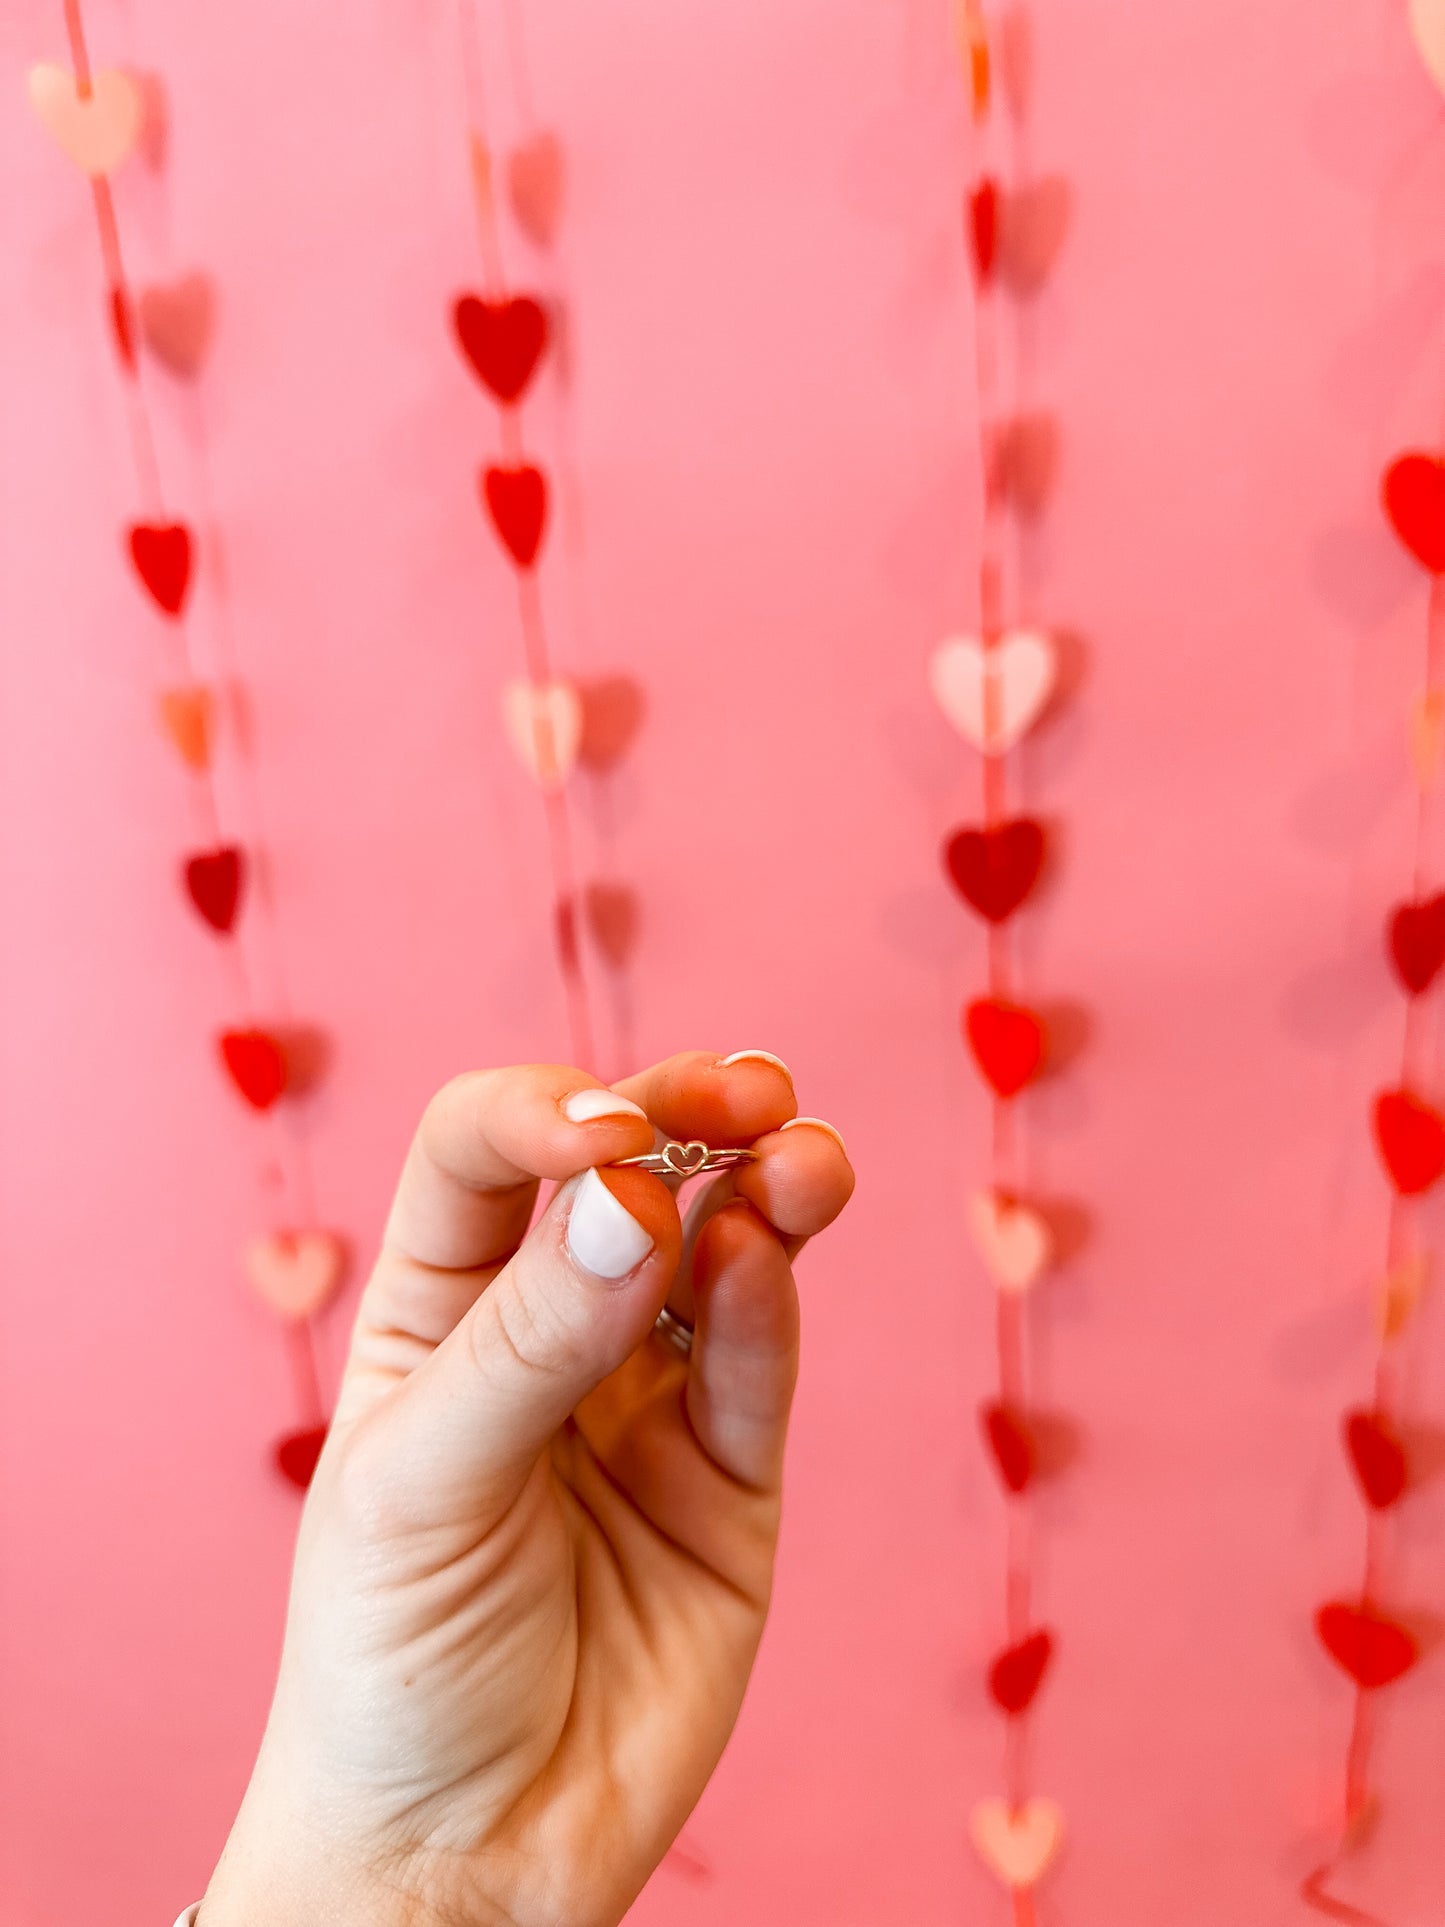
point(1014, 1242)
point(296, 1272)
point(176, 318)
point(98, 131)
point(534, 178)
point(1427, 24)
point(544, 724)
point(993, 696)
point(1017, 1845)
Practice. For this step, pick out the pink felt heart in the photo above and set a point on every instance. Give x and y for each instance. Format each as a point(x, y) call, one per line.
point(1033, 222)
point(1014, 1242)
point(1025, 457)
point(534, 179)
point(296, 1272)
point(544, 725)
point(175, 318)
point(188, 720)
point(993, 696)
point(1016, 1843)
point(612, 918)
point(97, 130)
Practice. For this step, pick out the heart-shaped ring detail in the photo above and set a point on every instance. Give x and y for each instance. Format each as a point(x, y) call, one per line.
point(684, 1159)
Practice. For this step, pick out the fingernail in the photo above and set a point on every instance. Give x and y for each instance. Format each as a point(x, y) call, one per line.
point(820, 1124)
point(602, 1237)
point(583, 1106)
point(758, 1057)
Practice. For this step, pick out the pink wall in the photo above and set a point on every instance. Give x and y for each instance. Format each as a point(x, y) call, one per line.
point(769, 430)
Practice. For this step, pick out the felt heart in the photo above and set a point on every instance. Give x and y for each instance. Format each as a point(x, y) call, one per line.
point(175, 318)
point(1017, 1673)
point(214, 881)
point(1012, 1447)
point(983, 227)
point(544, 723)
point(995, 869)
point(1031, 229)
point(612, 917)
point(97, 129)
point(1007, 1042)
point(1025, 457)
point(1372, 1649)
point(1016, 1843)
point(516, 500)
point(257, 1066)
point(1399, 1294)
point(534, 179)
point(1427, 725)
point(1427, 24)
point(684, 1159)
point(297, 1453)
point(1416, 938)
point(1377, 1456)
point(161, 553)
point(993, 696)
point(1411, 1138)
point(186, 719)
point(1013, 1241)
point(612, 712)
point(503, 340)
point(296, 1272)
point(1414, 497)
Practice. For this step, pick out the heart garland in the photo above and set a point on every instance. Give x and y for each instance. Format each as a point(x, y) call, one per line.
point(97, 129)
point(161, 553)
point(503, 341)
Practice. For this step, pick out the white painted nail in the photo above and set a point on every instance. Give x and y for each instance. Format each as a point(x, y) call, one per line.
point(819, 1124)
point(602, 1237)
point(757, 1057)
point(583, 1106)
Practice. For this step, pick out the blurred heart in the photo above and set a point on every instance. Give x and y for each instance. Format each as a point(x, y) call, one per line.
point(1377, 1456)
point(1012, 1447)
point(993, 696)
point(1007, 1042)
point(995, 869)
point(983, 227)
point(1017, 1843)
point(516, 500)
point(214, 881)
point(1416, 937)
point(534, 178)
point(1015, 1676)
point(1025, 459)
point(256, 1064)
point(297, 1453)
point(1013, 1241)
point(1372, 1649)
point(1411, 1138)
point(186, 719)
point(544, 725)
point(175, 318)
point(1016, 59)
point(503, 340)
point(161, 552)
point(1032, 223)
point(1427, 725)
point(98, 129)
point(612, 712)
point(1427, 24)
point(296, 1272)
point(1414, 497)
point(612, 918)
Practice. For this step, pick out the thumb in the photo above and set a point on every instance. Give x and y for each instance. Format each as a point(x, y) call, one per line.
point(579, 1296)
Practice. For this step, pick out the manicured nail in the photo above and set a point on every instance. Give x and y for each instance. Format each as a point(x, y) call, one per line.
point(820, 1124)
point(583, 1106)
point(602, 1237)
point(757, 1057)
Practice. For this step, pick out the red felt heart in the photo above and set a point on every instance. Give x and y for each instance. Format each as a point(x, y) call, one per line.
point(1015, 1675)
point(516, 500)
point(1377, 1456)
point(995, 869)
point(257, 1066)
point(983, 227)
point(1012, 1447)
point(214, 882)
point(1414, 492)
point(297, 1453)
point(1007, 1042)
point(1416, 937)
point(1373, 1650)
point(1411, 1138)
point(503, 340)
point(162, 556)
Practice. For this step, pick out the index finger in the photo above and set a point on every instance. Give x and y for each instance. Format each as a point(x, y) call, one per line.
point(725, 1101)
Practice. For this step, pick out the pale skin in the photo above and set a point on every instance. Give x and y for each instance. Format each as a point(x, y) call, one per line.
point(536, 1558)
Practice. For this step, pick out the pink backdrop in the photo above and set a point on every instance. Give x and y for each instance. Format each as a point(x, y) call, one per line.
point(768, 517)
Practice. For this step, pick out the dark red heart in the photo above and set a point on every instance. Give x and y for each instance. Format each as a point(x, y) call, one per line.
point(1377, 1456)
point(995, 869)
point(1414, 492)
point(1373, 1650)
point(1416, 936)
point(257, 1066)
point(1015, 1675)
point(516, 500)
point(1007, 1042)
point(1012, 1448)
point(503, 340)
point(1411, 1138)
point(983, 227)
point(297, 1453)
point(214, 882)
point(162, 557)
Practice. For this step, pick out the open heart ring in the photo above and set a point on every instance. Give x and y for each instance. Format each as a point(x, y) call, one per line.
point(674, 1160)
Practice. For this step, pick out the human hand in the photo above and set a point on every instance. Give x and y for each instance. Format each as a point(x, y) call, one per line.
point(535, 1560)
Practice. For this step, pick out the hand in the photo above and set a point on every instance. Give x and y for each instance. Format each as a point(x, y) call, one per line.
point(535, 1560)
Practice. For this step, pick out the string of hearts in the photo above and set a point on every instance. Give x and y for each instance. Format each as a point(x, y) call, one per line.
point(993, 687)
point(99, 118)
